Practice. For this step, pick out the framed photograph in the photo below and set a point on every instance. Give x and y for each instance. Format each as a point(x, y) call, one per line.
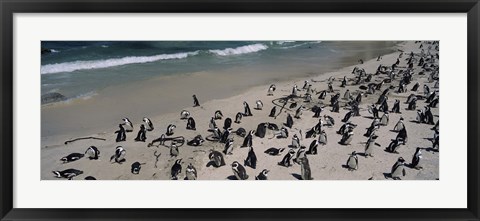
point(239, 110)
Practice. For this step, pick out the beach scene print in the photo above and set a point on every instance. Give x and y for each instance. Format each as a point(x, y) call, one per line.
point(239, 110)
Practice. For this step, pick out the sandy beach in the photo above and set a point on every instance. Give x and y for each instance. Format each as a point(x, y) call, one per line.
point(327, 164)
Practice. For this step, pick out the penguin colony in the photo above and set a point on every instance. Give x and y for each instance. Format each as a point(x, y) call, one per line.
point(391, 90)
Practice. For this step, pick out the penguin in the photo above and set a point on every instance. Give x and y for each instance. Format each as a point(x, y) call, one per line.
point(239, 171)
point(329, 120)
point(274, 151)
point(262, 175)
point(191, 125)
point(184, 114)
point(259, 104)
point(384, 119)
point(148, 123)
point(217, 134)
point(286, 161)
point(335, 107)
point(72, 157)
point(420, 116)
point(294, 90)
point(399, 126)
point(412, 105)
point(305, 85)
point(247, 112)
point(415, 87)
point(272, 112)
point(322, 138)
point(92, 152)
point(312, 132)
point(289, 123)
point(141, 136)
point(176, 169)
point(428, 116)
point(241, 132)
point(426, 90)
point(417, 156)
point(346, 138)
point(313, 148)
point(174, 150)
point(251, 160)
point(301, 153)
point(135, 169)
point(295, 141)
point(345, 128)
point(348, 116)
point(228, 147)
point(191, 172)
point(346, 95)
point(261, 130)
point(225, 135)
point(394, 146)
point(247, 142)
point(283, 133)
point(317, 111)
point(216, 158)
point(370, 145)
point(170, 129)
point(402, 135)
point(398, 169)
point(68, 173)
point(271, 89)
point(218, 115)
point(352, 162)
point(323, 94)
point(396, 107)
point(306, 173)
point(119, 155)
point(227, 123)
point(121, 136)
point(127, 124)
point(212, 125)
point(90, 178)
point(298, 112)
point(308, 98)
point(330, 87)
point(197, 141)
point(195, 101)
point(238, 118)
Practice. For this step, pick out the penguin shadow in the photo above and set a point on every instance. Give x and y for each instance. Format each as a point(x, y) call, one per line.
point(414, 121)
point(232, 177)
point(429, 149)
point(211, 163)
point(120, 161)
point(387, 176)
point(396, 131)
point(297, 176)
point(369, 117)
point(362, 154)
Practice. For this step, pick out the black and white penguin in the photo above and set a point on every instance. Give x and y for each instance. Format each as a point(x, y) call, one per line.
point(313, 147)
point(176, 169)
point(295, 141)
point(271, 89)
point(412, 105)
point(238, 117)
point(306, 173)
point(274, 151)
point(283, 133)
point(398, 169)
point(135, 169)
point(402, 135)
point(228, 147)
point(344, 81)
point(358, 99)
point(336, 107)
point(195, 101)
point(218, 115)
point(227, 123)
point(148, 124)
point(426, 90)
point(352, 162)
point(272, 112)
point(329, 121)
point(239, 171)
point(262, 175)
point(241, 132)
point(287, 159)
point(399, 126)
point(68, 173)
point(305, 84)
point(251, 160)
point(212, 125)
point(90, 178)
point(127, 124)
point(226, 135)
point(370, 145)
point(119, 155)
point(346, 95)
point(322, 138)
point(347, 117)
point(191, 172)
point(396, 107)
point(217, 134)
point(247, 112)
point(191, 125)
point(247, 142)
point(216, 158)
point(170, 129)
point(92, 153)
point(394, 146)
point(141, 136)
point(330, 88)
point(72, 157)
point(289, 123)
point(317, 111)
point(322, 95)
point(417, 156)
point(294, 90)
point(121, 135)
point(415, 87)
point(259, 105)
point(184, 114)
point(428, 116)
point(384, 119)
point(197, 141)
point(420, 116)
point(174, 152)
point(298, 112)
point(347, 138)
point(261, 130)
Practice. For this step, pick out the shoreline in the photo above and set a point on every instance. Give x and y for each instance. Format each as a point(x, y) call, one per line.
point(229, 106)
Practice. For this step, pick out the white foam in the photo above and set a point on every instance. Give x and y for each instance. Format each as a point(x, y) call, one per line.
point(95, 64)
point(240, 50)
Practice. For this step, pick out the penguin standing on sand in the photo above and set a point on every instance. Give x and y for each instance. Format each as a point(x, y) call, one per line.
point(170, 129)
point(216, 158)
point(262, 175)
point(119, 155)
point(92, 153)
point(247, 142)
point(195, 101)
point(72, 157)
point(191, 172)
point(148, 123)
point(416, 159)
point(287, 159)
point(313, 147)
point(261, 130)
point(247, 112)
point(352, 162)
point(399, 126)
point(225, 135)
point(228, 147)
point(141, 136)
point(329, 121)
point(191, 125)
point(295, 141)
point(197, 141)
point(259, 104)
point(227, 123)
point(396, 107)
point(272, 112)
point(212, 125)
point(384, 119)
point(289, 123)
point(322, 95)
point(218, 115)
point(176, 169)
point(238, 117)
point(317, 111)
point(294, 90)
point(184, 114)
point(135, 168)
point(347, 138)
point(370, 145)
point(306, 173)
point(402, 136)
point(68, 173)
point(398, 169)
point(415, 87)
point(121, 136)
point(271, 89)
point(347, 116)
point(251, 160)
point(298, 112)
point(174, 150)
point(322, 138)
point(127, 124)
point(239, 171)
point(394, 146)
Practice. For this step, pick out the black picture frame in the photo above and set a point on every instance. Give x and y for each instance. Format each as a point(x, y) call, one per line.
point(9, 7)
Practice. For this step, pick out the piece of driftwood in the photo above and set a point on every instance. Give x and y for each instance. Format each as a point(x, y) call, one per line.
point(84, 138)
point(156, 157)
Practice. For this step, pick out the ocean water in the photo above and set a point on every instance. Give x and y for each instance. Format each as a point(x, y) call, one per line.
point(79, 69)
